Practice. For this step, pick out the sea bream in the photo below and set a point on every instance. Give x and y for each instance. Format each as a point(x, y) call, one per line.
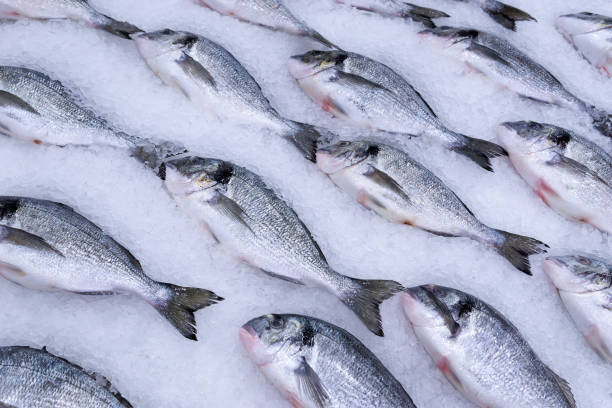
point(46, 245)
point(31, 378)
point(480, 352)
point(584, 283)
point(392, 184)
point(502, 62)
point(272, 14)
point(398, 8)
point(259, 228)
point(591, 35)
point(77, 10)
point(502, 13)
point(570, 174)
point(369, 94)
point(318, 365)
point(214, 80)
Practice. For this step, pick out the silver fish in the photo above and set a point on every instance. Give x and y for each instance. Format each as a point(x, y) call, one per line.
point(502, 13)
point(398, 8)
point(213, 79)
point(272, 14)
point(250, 220)
point(502, 62)
point(480, 352)
point(570, 174)
point(318, 365)
point(585, 286)
point(77, 10)
point(369, 94)
point(389, 182)
point(591, 35)
point(31, 378)
point(48, 246)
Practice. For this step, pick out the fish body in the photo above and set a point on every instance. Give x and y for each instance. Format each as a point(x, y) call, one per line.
point(397, 8)
point(591, 35)
point(584, 284)
point(318, 365)
point(389, 182)
point(369, 94)
point(48, 246)
point(31, 378)
point(502, 13)
point(480, 352)
point(77, 10)
point(570, 174)
point(256, 226)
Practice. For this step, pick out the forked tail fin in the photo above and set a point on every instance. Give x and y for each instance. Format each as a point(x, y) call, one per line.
point(307, 137)
point(423, 15)
point(602, 120)
point(119, 28)
point(479, 151)
point(505, 15)
point(517, 248)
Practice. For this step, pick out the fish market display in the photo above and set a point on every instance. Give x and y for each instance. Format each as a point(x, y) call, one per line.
point(502, 62)
point(398, 8)
point(48, 246)
point(369, 94)
point(480, 352)
point(258, 227)
point(318, 365)
point(502, 13)
point(570, 174)
point(387, 181)
point(585, 286)
point(31, 378)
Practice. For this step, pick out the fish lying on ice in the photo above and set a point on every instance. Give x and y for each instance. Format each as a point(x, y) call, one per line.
point(398, 8)
point(502, 13)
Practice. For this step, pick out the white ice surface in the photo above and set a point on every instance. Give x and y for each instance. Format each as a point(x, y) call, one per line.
point(146, 359)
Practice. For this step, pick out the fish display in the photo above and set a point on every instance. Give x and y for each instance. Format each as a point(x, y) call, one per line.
point(480, 352)
point(584, 284)
point(570, 174)
point(77, 10)
point(502, 62)
point(318, 365)
point(31, 378)
point(369, 94)
point(398, 8)
point(252, 222)
point(46, 245)
point(389, 182)
point(502, 13)
point(591, 35)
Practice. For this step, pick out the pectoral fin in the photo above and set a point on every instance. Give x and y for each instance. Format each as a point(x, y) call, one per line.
point(384, 180)
point(310, 385)
point(196, 71)
point(8, 99)
point(25, 239)
point(230, 209)
point(487, 53)
point(576, 167)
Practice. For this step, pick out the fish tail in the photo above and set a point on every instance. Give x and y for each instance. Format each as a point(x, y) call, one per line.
point(181, 303)
point(602, 120)
point(364, 298)
point(517, 248)
point(423, 15)
point(505, 15)
point(121, 29)
point(479, 151)
point(306, 138)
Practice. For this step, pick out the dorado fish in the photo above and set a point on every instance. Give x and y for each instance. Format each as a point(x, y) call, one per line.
point(585, 286)
point(591, 35)
point(77, 10)
point(480, 352)
point(570, 174)
point(502, 13)
point(48, 246)
point(318, 365)
point(268, 13)
point(369, 94)
point(389, 182)
point(502, 62)
point(250, 220)
point(31, 378)
point(213, 79)
point(398, 8)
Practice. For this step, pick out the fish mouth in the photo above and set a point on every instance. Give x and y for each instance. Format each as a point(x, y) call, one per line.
point(299, 69)
point(328, 162)
point(257, 350)
point(560, 276)
point(175, 182)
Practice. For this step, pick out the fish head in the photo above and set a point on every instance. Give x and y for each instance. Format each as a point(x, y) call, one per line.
point(446, 37)
point(578, 273)
point(188, 175)
point(526, 137)
point(313, 62)
point(157, 43)
point(337, 156)
point(580, 23)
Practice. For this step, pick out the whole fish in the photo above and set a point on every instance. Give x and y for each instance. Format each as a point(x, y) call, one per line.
point(502, 62)
point(591, 35)
point(502, 13)
point(318, 365)
point(268, 13)
point(369, 94)
point(213, 79)
point(585, 286)
point(389, 182)
point(31, 378)
point(77, 10)
point(398, 8)
point(48, 246)
point(480, 352)
point(250, 220)
point(570, 174)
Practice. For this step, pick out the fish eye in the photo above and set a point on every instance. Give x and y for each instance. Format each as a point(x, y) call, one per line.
point(583, 260)
point(276, 323)
point(344, 144)
point(167, 31)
